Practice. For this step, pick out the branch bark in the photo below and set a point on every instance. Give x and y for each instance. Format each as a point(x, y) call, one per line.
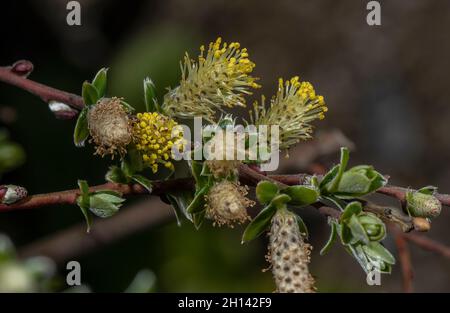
point(16, 75)
point(405, 262)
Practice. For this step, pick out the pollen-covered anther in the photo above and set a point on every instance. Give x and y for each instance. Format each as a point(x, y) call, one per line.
point(218, 79)
point(110, 127)
point(227, 203)
point(289, 255)
point(155, 135)
point(293, 108)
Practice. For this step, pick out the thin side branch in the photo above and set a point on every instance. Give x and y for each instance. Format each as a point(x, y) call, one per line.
point(70, 196)
point(405, 262)
point(16, 75)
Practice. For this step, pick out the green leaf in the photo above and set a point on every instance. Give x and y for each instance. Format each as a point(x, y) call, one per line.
point(84, 192)
point(89, 93)
point(180, 202)
point(331, 239)
point(329, 176)
point(358, 253)
point(266, 191)
point(111, 197)
point(151, 103)
point(334, 183)
point(197, 219)
point(143, 181)
point(357, 229)
point(81, 132)
point(280, 201)
point(331, 200)
point(301, 195)
point(428, 190)
point(99, 82)
point(354, 184)
point(128, 107)
point(377, 251)
point(132, 162)
point(360, 181)
point(85, 210)
point(196, 169)
point(302, 226)
point(83, 202)
point(259, 224)
point(345, 234)
point(116, 175)
point(353, 208)
point(101, 207)
point(198, 203)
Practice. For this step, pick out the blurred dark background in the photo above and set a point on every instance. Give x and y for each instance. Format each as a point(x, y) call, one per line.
point(387, 89)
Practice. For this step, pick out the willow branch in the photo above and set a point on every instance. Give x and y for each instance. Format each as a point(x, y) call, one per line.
point(405, 262)
point(16, 75)
point(70, 196)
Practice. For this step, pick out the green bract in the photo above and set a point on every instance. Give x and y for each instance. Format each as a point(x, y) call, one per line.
point(102, 203)
point(356, 182)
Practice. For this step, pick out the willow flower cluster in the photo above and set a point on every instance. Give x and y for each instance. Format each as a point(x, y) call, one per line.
point(220, 78)
point(227, 203)
point(155, 135)
point(289, 255)
point(222, 154)
point(110, 127)
point(293, 108)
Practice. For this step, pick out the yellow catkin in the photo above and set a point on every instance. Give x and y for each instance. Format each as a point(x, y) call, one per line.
point(219, 78)
point(293, 108)
point(289, 255)
point(155, 135)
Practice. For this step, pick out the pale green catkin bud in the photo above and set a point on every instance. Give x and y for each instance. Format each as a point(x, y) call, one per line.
point(227, 203)
point(289, 255)
point(10, 194)
point(422, 205)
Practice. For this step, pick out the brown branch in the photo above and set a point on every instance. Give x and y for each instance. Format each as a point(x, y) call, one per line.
point(405, 262)
point(400, 194)
point(70, 196)
point(16, 75)
point(428, 244)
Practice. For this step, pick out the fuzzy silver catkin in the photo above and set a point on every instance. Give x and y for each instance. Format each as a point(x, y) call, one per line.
point(289, 255)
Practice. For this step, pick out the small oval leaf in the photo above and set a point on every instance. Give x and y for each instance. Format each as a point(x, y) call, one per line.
point(89, 93)
point(301, 195)
point(266, 191)
point(259, 224)
point(99, 82)
point(81, 132)
point(331, 239)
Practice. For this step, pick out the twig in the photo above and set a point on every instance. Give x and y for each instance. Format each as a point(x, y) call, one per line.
point(428, 244)
point(405, 262)
point(16, 75)
point(400, 194)
point(70, 196)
